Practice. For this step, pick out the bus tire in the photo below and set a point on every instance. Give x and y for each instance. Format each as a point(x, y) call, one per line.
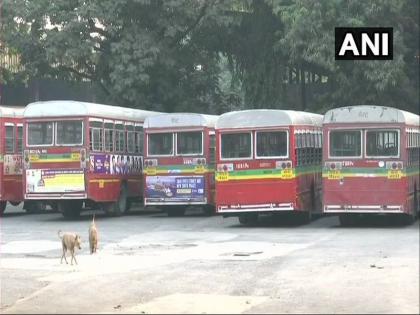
point(175, 211)
point(15, 203)
point(347, 219)
point(34, 206)
point(128, 205)
point(248, 219)
point(209, 210)
point(416, 208)
point(2, 206)
point(117, 208)
point(70, 209)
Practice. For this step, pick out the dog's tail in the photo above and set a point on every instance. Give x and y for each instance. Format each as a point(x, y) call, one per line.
point(59, 234)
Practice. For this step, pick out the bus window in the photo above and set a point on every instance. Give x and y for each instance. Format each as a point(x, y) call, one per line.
point(69, 132)
point(109, 137)
point(382, 143)
point(139, 139)
point(119, 138)
point(131, 142)
point(236, 145)
point(10, 139)
point(189, 142)
point(272, 144)
point(345, 143)
point(96, 138)
point(160, 144)
point(40, 133)
point(19, 139)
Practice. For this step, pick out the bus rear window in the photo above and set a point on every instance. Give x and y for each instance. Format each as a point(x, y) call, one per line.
point(69, 132)
point(40, 133)
point(272, 144)
point(160, 144)
point(381, 143)
point(236, 145)
point(345, 143)
point(189, 142)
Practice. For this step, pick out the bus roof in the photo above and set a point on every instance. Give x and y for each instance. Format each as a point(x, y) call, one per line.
point(257, 118)
point(370, 114)
point(11, 111)
point(180, 120)
point(75, 108)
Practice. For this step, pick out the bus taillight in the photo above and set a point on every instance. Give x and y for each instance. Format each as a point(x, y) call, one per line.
point(395, 165)
point(150, 162)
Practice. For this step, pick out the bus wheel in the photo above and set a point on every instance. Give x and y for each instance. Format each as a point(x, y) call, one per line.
point(249, 219)
point(2, 206)
point(70, 208)
point(128, 205)
point(116, 208)
point(34, 206)
point(209, 210)
point(347, 219)
point(15, 203)
point(175, 211)
point(305, 217)
point(416, 208)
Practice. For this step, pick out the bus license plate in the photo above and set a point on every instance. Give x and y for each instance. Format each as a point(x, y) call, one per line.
point(287, 174)
point(222, 176)
point(335, 174)
point(394, 174)
point(150, 171)
point(199, 169)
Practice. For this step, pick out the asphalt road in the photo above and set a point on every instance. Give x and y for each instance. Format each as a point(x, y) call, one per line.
point(149, 263)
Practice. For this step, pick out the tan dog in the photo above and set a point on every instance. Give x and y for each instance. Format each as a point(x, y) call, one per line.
point(93, 236)
point(70, 242)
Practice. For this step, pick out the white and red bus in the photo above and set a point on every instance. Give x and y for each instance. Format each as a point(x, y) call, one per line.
point(371, 162)
point(268, 161)
point(79, 153)
point(11, 132)
point(179, 161)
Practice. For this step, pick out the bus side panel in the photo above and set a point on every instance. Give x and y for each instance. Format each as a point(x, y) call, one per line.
point(102, 189)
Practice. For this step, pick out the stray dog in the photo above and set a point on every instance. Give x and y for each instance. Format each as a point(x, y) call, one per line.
point(70, 242)
point(93, 236)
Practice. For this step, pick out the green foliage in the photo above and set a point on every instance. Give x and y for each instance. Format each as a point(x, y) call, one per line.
point(216, 55)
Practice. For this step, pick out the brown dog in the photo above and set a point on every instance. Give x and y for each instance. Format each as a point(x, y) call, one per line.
point(93, 236)
point(70, 242)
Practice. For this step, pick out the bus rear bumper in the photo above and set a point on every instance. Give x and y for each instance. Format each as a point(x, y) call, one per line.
point(363, 209)
point(269, 207)
point(56, 196)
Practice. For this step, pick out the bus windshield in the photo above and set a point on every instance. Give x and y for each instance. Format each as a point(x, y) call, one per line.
point(272, 144)
point(40, 133)
point(160, 144)
point(69, 132)
point(382, 143)
point(345, 143)
point(236, 145)
point(189, 142)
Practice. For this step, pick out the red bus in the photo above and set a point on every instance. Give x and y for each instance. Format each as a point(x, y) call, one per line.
point(78, 153)
point(179, 162)
point(11, 131)
point(268, 161)
point(371, 162)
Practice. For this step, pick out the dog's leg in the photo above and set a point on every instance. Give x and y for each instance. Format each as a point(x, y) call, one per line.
point(73, 257)
point(64, 255)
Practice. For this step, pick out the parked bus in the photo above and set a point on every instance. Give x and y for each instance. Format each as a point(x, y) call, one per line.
point(268, 161)
point(11, 131)
point(371, 162)
point(79, 153)
point(179, 162)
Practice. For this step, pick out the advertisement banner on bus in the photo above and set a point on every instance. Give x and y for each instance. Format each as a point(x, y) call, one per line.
point(115, 164)
point(175, 187)
point(46, 181)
